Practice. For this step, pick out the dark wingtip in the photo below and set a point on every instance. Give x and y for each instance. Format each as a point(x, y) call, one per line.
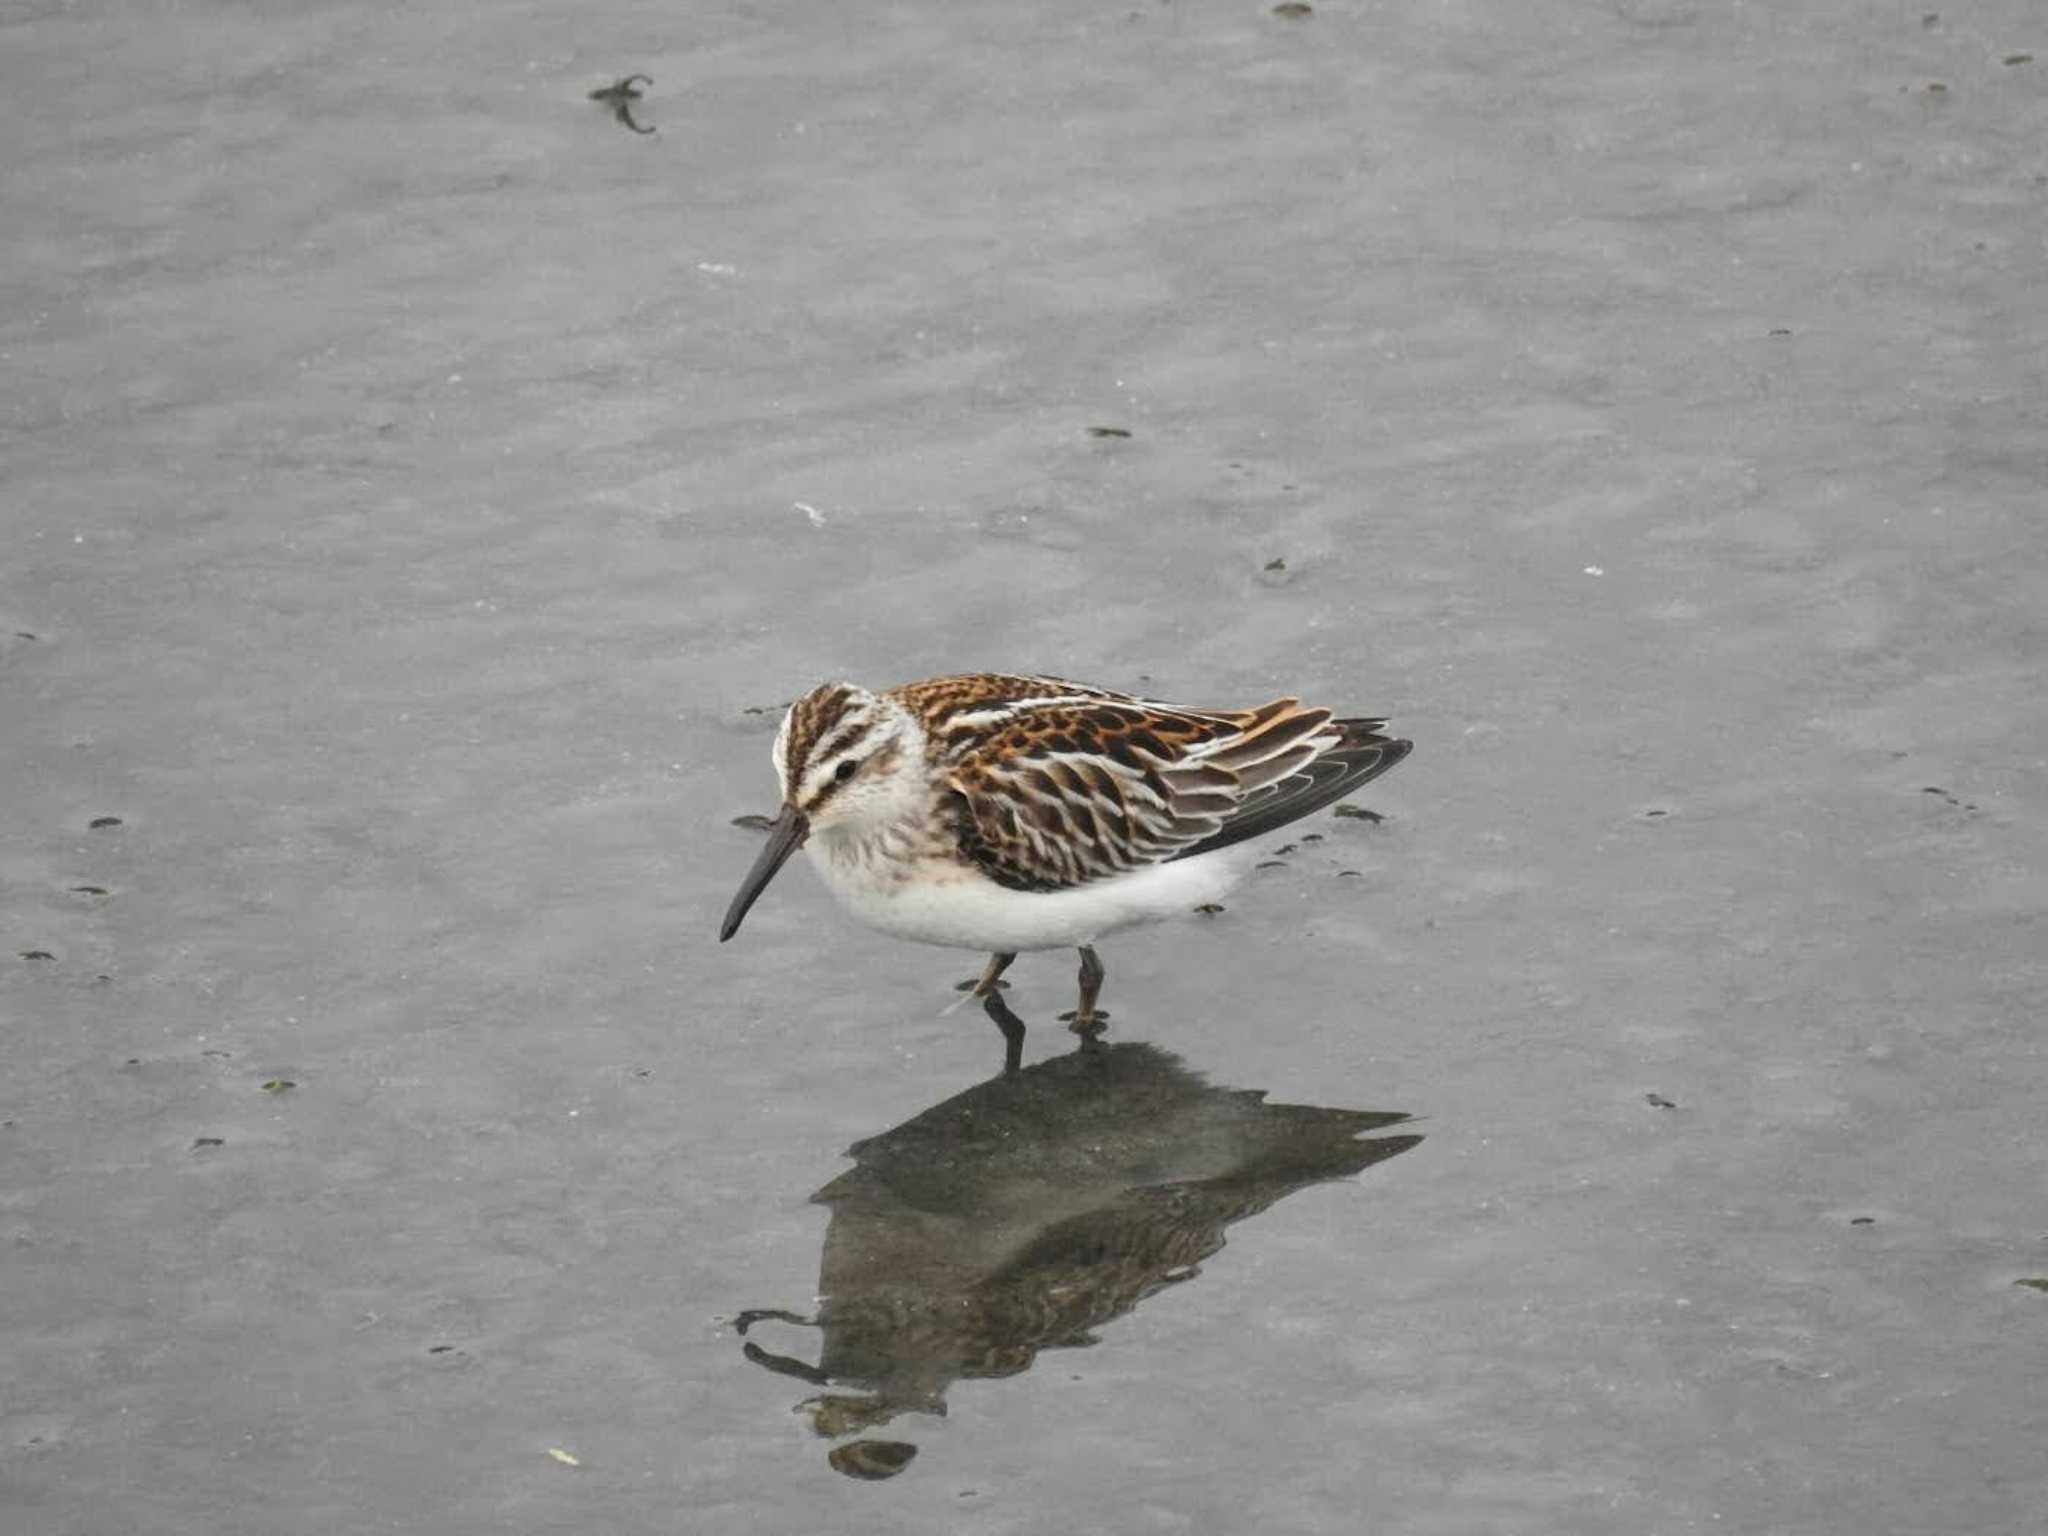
point(1362, 757)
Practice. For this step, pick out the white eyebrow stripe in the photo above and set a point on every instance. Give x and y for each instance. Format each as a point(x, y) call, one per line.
point(855, 731)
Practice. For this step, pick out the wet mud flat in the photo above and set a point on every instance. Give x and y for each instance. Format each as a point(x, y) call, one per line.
point(434, 444)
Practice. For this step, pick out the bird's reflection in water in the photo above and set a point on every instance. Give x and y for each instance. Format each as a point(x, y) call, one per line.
point(1025, 1213)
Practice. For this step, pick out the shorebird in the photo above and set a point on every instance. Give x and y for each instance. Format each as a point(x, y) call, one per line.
point(1005, 814)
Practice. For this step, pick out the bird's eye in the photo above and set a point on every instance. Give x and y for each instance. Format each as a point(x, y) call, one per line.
point(845, 770)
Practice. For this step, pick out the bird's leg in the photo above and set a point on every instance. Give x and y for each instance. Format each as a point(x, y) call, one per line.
point(1013, 1032)
point(989, 990)
point(1088, 1021)
point(990, 978)
point(985, 985)
point(786, 1365)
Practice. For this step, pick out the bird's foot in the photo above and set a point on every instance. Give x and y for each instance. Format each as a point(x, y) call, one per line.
point(971, 991)
point(1089, 1025)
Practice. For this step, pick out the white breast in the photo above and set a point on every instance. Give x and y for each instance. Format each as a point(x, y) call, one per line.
point(950, 904)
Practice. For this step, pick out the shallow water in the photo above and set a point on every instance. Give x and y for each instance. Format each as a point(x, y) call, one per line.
point(419, 494)
point(1027, 1213)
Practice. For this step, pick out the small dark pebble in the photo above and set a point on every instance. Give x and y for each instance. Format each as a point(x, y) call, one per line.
point(1107, 432)
point(1273, 864)
point(1660, 1101)
point(1357, 813)
point(2010, 58)
point(132, 1061)
point(90, 890)
point(1862, 1221)
point(754, 823)
point(1210, 908)
point(1933, 789)
point(37, 954)
point(207, 1141)
point(99, 822)
point(279, 1085)
point(1656, 813)
point(1276, 565)
point(1936, 88)
point(871, 1460)
point(1293, 10)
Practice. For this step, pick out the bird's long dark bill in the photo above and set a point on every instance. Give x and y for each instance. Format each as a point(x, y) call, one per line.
point(784, 838)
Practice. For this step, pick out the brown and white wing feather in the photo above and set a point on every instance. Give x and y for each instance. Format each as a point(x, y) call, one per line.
point(1052, 784)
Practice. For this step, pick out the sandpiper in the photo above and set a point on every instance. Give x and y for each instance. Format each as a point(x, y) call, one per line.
point(1004, 814)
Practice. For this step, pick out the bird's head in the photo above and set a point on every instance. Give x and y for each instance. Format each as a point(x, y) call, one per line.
point(848, 761)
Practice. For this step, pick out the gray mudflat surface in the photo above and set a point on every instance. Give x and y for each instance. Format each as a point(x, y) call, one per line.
point(414, 486)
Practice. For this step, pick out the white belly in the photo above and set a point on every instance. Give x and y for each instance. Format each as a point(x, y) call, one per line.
point(954, 906)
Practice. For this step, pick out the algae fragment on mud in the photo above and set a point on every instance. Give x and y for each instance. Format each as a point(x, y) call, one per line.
point(1210, 908)
point(2034, 1282)
point(100, 823)
point(1108, 432)
point(1352, 812)
point(754, 823)
point(279, 1085)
